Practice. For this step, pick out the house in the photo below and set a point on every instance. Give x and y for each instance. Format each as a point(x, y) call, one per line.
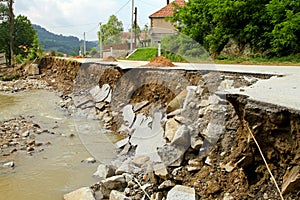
point(159, 26)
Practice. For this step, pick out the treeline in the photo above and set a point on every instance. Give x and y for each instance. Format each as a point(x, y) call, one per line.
point(69, 45)
point(271, 28)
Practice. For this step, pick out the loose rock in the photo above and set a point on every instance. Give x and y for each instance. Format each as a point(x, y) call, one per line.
point(180, 192)
point(84, 193)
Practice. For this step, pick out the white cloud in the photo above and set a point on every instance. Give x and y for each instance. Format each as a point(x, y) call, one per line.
point(73, 17)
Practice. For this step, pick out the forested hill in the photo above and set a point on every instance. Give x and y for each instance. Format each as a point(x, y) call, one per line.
point(59, 43)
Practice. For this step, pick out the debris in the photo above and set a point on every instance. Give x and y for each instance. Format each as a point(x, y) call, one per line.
point(9, 164)
point(160, 61)
point(116, 195)
point(181, 192)
point(291, 180)
point(104, 171)
point(83, 193)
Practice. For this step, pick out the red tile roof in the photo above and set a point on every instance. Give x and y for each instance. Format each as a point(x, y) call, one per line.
point(167, 11)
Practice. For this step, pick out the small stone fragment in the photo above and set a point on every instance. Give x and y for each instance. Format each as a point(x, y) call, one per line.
point(160, 170)
point(140, 160)
point(84, 193)
point(171, 128)
point(116, 195)
point(104, 171)
point(166, 184)
point(89, 160)
point(180, 192)
point(291, 180)
point(9, 164)
point(140, 105)
point(212, 187)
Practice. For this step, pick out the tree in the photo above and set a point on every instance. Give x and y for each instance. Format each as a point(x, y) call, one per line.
point(93, 52)
point(25, 37)
point(136, 31)
point(267, 26)
point(285, 17)
point(111, 31)
point(6, 12)
point(146, 30)
point(184, 46)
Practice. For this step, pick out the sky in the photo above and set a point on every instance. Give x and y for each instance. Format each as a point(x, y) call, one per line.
point(74, 17)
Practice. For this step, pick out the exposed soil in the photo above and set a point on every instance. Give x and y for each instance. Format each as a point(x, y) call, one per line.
point(110, 59)
point(160, 61)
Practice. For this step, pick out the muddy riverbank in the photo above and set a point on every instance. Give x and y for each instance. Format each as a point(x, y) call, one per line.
point(184, 135)
point(40, 151)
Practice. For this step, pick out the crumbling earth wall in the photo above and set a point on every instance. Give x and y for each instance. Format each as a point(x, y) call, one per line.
point(209, 130)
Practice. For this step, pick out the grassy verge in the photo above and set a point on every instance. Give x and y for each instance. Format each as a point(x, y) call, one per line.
point(146, 54)
point(149, 53)
point(288, 60)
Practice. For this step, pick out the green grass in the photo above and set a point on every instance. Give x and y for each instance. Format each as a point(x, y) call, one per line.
point(288, 60)
point(149, 53)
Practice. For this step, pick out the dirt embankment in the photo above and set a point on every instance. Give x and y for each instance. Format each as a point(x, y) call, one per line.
point(233, 168)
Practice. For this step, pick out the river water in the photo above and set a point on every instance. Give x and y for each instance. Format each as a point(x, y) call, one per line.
point(58, 169)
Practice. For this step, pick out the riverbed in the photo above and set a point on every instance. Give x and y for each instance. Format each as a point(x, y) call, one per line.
point(58, 168)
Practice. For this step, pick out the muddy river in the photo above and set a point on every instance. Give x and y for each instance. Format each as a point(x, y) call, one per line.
point(58, 169)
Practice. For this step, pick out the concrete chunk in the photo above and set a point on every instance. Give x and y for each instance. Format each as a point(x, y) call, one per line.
point(140, 105)
point(180, 192)
point(128, 115)
point(148, 139)
point(100, 94)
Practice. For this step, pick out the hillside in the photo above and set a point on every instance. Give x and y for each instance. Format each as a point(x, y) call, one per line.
point(65, 44)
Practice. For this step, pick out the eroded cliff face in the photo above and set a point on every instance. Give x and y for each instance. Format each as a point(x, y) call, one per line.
point(211, 130)
point(277, 132)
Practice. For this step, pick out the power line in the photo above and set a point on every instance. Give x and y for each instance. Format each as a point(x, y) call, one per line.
point(122, 6)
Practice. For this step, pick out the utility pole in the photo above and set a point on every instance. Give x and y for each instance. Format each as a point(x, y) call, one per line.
point(131, 34)
point(84, 45)
point(11, 31)
point(135, 25)
point(100, 42)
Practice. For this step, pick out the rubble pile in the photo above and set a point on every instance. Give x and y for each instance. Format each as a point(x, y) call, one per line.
point(19, 134)
point(183, 136)
point(160, 61)
point(190, 143)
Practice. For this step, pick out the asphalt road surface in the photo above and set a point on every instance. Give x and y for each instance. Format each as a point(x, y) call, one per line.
point(281, 89)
